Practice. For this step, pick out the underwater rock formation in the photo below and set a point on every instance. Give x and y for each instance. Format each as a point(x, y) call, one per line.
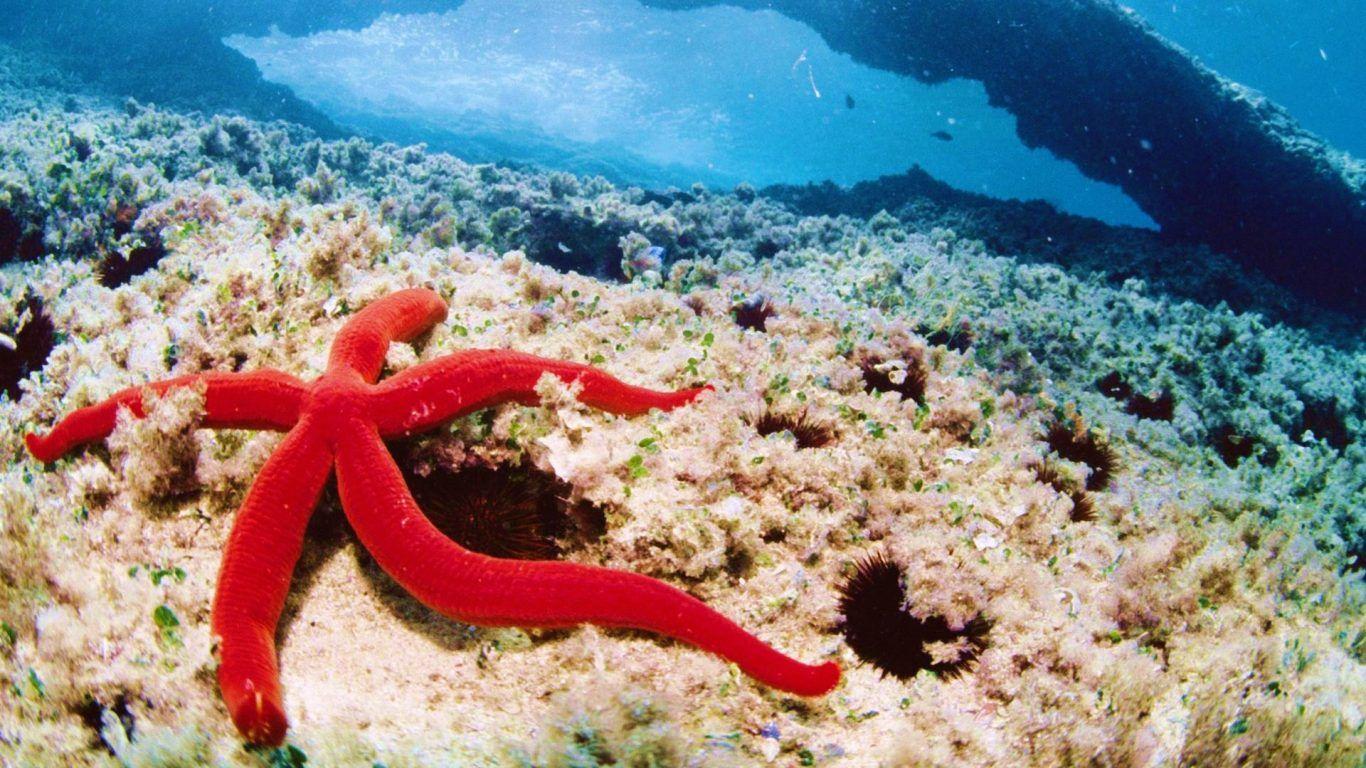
point(1211, 161)
point(170, 54)
point(1208, 159)
point(1222, 599)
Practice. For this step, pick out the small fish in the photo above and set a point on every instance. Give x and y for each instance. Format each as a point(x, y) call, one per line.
point(942, 135)
point(564, 248)
point(848, 101)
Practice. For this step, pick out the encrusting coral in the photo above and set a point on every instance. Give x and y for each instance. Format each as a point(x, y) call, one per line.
point(339, 421)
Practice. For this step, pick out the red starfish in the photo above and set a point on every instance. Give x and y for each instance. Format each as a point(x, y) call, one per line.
point(340, 420)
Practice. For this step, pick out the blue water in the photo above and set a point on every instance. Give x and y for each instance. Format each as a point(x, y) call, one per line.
point(660, 98)
point(717, 95)
point(1309, 56)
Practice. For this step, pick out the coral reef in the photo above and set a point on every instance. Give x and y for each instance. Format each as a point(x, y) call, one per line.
point(1199, 613)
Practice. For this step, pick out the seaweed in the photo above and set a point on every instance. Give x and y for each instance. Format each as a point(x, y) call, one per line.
point(93, 714)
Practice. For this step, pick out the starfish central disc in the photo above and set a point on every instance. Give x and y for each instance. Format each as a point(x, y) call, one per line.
point(338, 423)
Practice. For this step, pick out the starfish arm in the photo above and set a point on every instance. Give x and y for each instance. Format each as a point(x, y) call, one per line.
point(256, 400)
point(431, 393)
point(267, 537)
point(482, 590)
point(361, 344)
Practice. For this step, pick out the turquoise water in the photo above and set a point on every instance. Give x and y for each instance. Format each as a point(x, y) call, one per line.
point(718, 95)
point(1307, 56)
point(653, 97)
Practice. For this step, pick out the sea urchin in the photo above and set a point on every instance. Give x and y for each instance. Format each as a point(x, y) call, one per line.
point(753, 313)
point(808, 432)
point(1069, 438)
point(515, 513)
point(907, 378)
point(25, 347)
point(1050, 474)
point(881, 632)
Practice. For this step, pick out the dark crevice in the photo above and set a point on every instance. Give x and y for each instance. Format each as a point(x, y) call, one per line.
point(1231, 446)
point(31, 246)
point(1158, 407)
point(92, 713)
point(574, 243)
point(1322, 418)
point(10, 232)
point(1113, 386)
point(958, 337)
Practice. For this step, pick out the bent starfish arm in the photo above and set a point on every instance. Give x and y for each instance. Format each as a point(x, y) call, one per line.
point(258, 400)
point(437, 391)
point(258, 563)
point(361, 344)
point(489, 591)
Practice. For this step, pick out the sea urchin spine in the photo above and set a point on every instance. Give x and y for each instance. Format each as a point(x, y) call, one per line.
point(881, 632)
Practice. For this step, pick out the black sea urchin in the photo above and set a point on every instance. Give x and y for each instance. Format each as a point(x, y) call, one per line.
point(913, 378)
point(1083, 505)
point(32, 343)
point(1070, 439)
point(753, 313)
point(881, 632)
point(510, 513)
point(808, 432)
point(115, 269)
